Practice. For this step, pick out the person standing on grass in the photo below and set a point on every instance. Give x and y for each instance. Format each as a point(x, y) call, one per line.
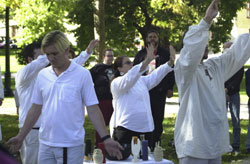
point(102, 75)
point(201, 128)
point(163, 90)
point(1, 89)
point(132, 114)
point(25, 81)
point(232, 89)
point(60, 95)
point(247, 75)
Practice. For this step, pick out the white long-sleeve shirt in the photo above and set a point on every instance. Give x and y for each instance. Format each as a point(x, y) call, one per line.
point(1, 86)
point(201, 128)
point(131, 100)
point(25, 81)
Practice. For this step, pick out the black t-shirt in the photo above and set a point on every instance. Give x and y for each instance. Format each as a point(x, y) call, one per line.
point(102, 74)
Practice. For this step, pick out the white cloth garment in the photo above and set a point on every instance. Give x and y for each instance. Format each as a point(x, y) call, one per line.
point(54, 155)
point(201, 128)
point(1, 86)
point(131, 100)
point(30, 148)
point(25, 81)
point(63, 98)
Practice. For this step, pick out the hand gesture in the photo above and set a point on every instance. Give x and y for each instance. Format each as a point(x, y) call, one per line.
point(172, 56)
point(212, 11)
point(92, 45)
point(150, 53)
point(15, 144)
point(113, 148)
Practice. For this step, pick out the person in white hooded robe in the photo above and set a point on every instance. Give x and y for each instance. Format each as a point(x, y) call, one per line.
point(201, 128)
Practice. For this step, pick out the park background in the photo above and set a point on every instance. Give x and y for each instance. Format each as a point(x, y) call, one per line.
point(122, 26)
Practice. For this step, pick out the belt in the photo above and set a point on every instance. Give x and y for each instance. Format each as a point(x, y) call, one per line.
point(36, 128)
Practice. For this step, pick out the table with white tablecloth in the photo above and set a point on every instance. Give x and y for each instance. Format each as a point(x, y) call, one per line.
point(129, 161)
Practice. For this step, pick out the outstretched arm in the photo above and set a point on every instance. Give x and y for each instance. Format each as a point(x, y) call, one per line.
point(84, 55)
point(195, 41)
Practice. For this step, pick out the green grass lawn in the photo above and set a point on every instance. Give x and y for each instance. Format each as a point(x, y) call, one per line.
point(9, 125)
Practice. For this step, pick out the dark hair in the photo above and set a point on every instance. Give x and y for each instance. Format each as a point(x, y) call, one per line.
point(28, 51)
point(108, 49)
point(72, 53)
point(118, 63)
point(152, 31)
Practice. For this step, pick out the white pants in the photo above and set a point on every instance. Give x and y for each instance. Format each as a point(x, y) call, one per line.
point(54, 155)
point(191, 160)
point(30, 148)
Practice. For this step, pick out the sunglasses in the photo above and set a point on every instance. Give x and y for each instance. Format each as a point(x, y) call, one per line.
point(128, 62)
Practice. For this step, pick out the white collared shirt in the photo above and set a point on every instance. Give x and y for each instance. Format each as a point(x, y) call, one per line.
point(201, 128)
point(25, 81)
point(1, 86)
point(131, 100)
point(63, 98)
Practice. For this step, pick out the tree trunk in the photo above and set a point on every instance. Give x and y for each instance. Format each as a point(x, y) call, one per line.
point(99, 23)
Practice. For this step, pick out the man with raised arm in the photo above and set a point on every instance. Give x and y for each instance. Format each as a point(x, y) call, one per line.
point(201, 129)
point(60, 94)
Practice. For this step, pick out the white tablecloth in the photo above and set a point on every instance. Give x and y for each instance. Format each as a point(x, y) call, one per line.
point(129, 161)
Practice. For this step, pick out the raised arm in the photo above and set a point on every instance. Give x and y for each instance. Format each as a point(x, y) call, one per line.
point(84, 55)
point(158, 74)
point(31, 70)
point(124, 83)
point(195, 42)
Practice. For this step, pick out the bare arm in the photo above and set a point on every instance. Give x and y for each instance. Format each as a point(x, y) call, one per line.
point(84, 55)
point(95, 116)
point(32, 117)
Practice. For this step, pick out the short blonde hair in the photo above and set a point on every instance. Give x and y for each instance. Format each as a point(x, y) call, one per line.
point(56, 38)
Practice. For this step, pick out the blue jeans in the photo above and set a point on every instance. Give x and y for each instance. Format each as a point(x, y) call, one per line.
point(234, 106)
point(248, 130)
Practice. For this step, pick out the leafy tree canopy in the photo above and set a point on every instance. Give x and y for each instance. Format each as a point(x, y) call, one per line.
point(124, 20)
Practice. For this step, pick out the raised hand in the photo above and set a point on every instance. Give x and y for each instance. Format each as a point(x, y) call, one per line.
point(212, 11)
point(92, 45)
point(172, 56)
point(150, 53)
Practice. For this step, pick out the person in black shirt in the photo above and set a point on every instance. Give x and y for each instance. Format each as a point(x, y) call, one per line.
point(102, 74)
point(165, 89)
point(232, 88)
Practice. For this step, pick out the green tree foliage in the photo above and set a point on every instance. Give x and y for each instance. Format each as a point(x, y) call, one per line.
point(38, 17)
point(127, 19)
point(124, 20)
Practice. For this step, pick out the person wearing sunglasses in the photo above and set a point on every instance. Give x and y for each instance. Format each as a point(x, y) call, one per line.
point(132, 112)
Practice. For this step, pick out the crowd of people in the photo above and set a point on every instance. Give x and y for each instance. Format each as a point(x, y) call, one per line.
point(53, 90)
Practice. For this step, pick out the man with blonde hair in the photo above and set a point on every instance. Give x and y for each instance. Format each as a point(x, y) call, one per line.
point(60, 94)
